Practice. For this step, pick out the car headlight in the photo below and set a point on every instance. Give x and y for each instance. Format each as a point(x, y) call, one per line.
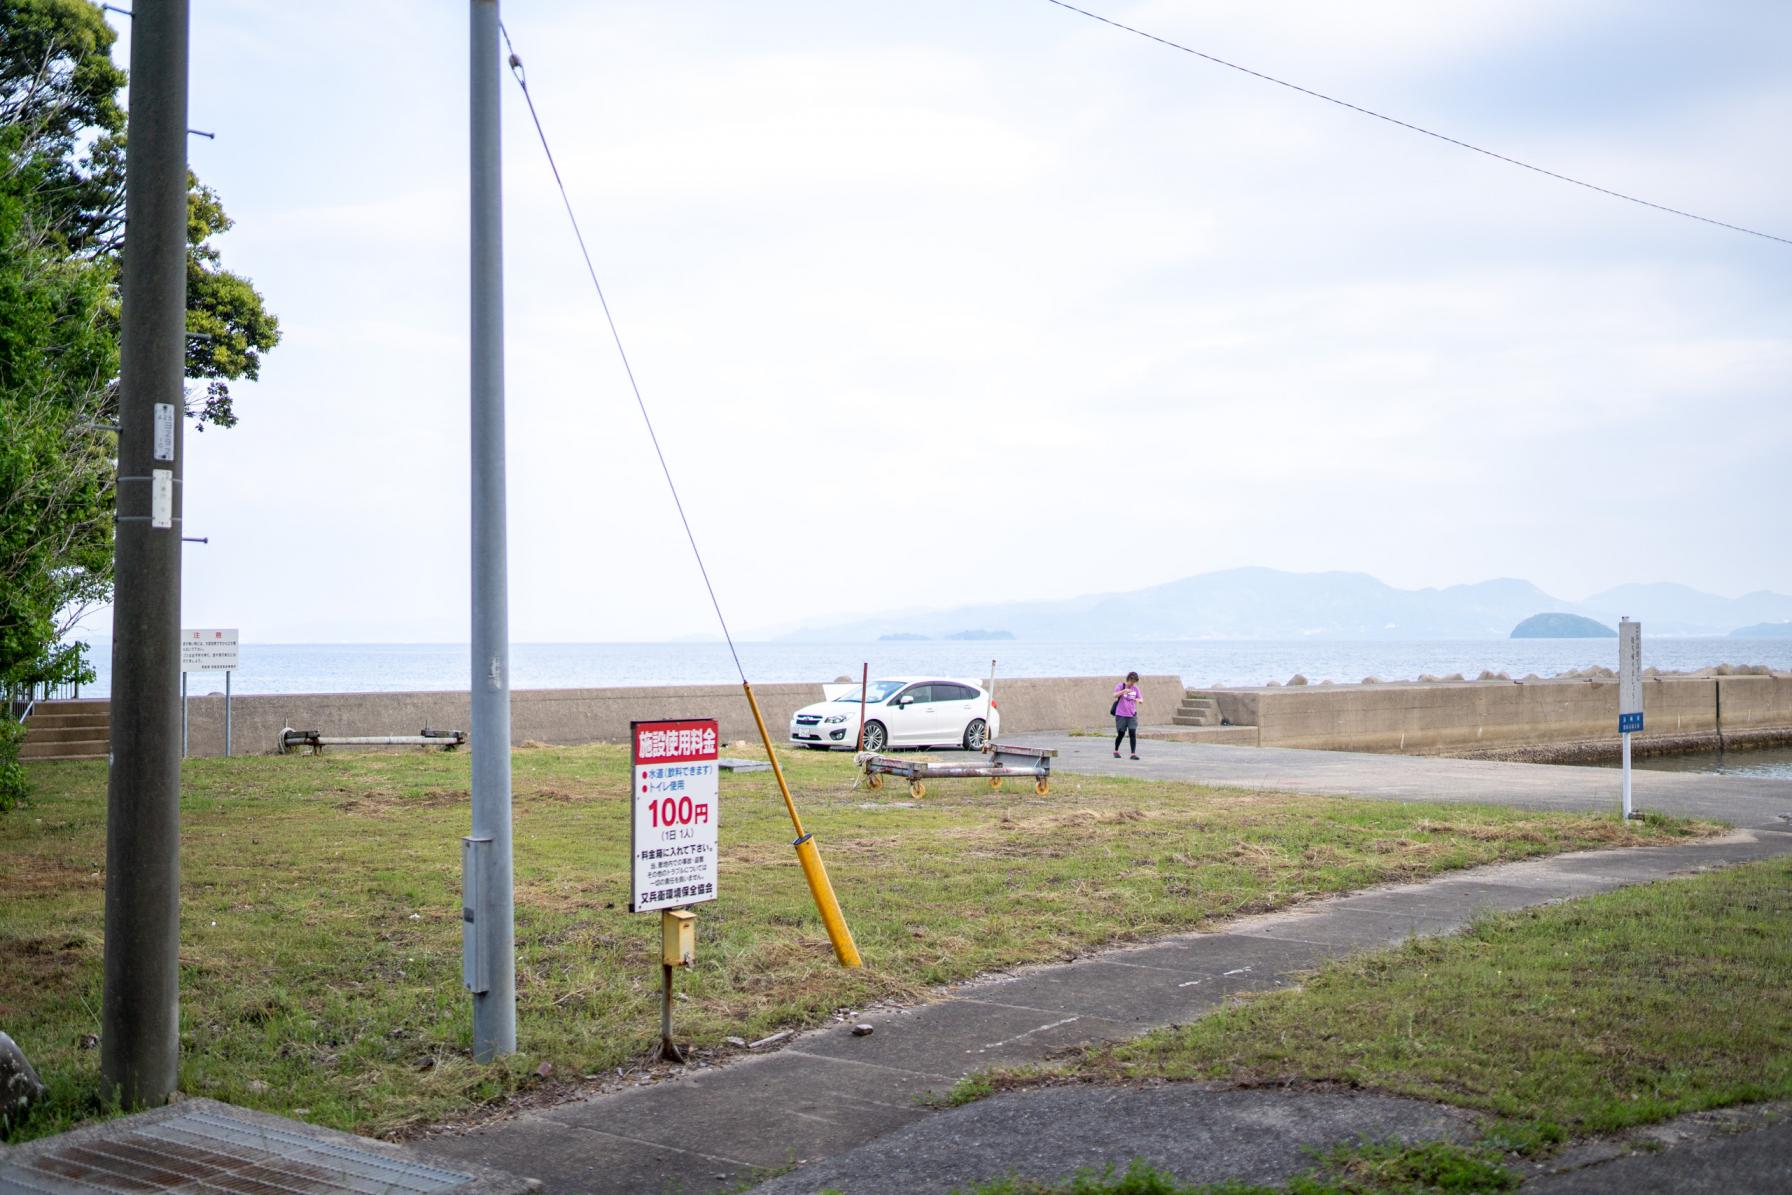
point(833, 718)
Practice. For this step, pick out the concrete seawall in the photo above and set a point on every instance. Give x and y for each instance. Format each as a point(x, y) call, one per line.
point(1543, 719)
point(603, 715)
point(1498, 717)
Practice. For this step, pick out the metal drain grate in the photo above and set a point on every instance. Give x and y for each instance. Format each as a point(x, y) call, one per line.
point(218, 1150)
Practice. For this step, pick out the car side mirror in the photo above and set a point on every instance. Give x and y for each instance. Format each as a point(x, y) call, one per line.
point(904, 700)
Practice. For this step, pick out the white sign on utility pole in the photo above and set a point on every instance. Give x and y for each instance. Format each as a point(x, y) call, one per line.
point(1630, 692)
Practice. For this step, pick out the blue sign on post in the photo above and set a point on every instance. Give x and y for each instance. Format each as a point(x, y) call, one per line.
point(1630, 723)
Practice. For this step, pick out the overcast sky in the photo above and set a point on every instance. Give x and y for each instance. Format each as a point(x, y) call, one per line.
point(941, 302)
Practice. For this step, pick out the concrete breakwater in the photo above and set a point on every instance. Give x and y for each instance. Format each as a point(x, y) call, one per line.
point(1538, 720)
point(564, 716)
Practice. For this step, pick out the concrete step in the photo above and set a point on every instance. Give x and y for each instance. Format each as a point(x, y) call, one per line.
point(1197, 711)
point(55, 717)
point(86, 749)
point(70, 713)
point(72, 729)
point(65, 734)
point(1237, 736)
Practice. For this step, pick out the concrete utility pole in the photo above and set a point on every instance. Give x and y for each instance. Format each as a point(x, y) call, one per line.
point(488, 946)
point(140, 1008)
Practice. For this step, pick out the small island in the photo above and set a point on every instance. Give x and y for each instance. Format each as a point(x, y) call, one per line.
point(1764, 630)
point(1562, 626)
point(900, 637)
point(981, 635)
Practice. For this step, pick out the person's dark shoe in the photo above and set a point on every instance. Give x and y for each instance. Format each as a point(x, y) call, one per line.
point(1135, 757)
point(1116, 755)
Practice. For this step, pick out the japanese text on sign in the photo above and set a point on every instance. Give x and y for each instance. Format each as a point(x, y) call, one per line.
point(1630, 677)
point(208, 650)
point(675, 814)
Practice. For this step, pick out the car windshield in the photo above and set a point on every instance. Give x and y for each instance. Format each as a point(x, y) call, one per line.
point(880, 691)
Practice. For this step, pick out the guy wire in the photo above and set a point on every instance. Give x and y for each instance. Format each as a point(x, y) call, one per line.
point(516, 69)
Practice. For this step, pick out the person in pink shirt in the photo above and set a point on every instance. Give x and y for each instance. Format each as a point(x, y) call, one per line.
point(1126, 713)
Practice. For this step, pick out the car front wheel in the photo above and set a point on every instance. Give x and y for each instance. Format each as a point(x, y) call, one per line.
point(876, 737)
point(975, 734)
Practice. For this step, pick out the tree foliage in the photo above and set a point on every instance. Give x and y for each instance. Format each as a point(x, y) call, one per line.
point(62, 239)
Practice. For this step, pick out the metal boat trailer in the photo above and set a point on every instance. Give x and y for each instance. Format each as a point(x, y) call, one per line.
point(1001, 762)
point(291, 740)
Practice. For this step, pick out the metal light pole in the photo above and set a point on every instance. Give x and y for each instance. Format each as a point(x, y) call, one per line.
point(140, 1005)
point(488, 946)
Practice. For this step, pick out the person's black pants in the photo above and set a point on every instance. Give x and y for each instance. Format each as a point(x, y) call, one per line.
point(1125, 727)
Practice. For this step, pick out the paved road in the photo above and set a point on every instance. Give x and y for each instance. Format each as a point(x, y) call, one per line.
point(1740, 800)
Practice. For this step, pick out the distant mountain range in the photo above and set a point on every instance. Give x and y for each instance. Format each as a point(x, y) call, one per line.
point(1265, 603)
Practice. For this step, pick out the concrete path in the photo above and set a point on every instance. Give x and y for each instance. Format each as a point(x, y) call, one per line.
point(1197, 1133)
point(1753, 1160)
point(829, 1092)
point(1740, 800)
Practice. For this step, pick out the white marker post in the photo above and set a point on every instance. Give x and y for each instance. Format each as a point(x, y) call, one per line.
point(1630, 694)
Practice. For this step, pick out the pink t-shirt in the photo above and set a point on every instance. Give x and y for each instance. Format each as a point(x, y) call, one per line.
point(1129, 700)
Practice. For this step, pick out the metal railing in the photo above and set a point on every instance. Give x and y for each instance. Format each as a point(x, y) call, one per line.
point(23, 699)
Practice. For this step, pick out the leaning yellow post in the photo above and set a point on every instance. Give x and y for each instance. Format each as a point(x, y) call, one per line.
point(808, 855)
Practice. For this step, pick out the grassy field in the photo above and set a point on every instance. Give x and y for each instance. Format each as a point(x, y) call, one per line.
point(321, 936)
point(1565, 1021)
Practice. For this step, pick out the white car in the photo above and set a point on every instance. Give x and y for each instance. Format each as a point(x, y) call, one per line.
point(901, 711)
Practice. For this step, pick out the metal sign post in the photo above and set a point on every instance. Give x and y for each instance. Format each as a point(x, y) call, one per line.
point(1630, 694)
point(864, 686)
point(207, 649)
point(989, 705)
point(672, 840)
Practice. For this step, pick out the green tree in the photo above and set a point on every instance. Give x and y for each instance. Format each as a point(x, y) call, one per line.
point(62, 235)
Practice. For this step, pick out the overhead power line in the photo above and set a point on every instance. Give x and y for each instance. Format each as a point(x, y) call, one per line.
point(1358, 108)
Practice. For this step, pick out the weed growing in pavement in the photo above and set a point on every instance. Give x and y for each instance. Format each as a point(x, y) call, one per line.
point(1425, 1168)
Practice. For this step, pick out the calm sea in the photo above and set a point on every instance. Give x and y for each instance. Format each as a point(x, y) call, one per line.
point(1774, 763)
point(397, 667)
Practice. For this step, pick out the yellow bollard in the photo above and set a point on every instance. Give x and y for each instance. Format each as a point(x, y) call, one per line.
point(808, 855)
point(845, 949)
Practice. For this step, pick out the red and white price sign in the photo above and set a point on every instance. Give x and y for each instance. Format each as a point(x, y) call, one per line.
point(674, 837)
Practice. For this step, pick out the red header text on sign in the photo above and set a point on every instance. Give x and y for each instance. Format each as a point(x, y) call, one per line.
point(675, 814)
point(657, 741)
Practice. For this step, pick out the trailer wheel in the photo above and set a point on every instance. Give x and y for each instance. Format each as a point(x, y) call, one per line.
point(916, 789)
point(875, 779)
point(995, 782)
point(1042, 786)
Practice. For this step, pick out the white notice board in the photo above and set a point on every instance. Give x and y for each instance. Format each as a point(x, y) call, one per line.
point(1630, 676)
point(673, 842)
point(208, 649)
